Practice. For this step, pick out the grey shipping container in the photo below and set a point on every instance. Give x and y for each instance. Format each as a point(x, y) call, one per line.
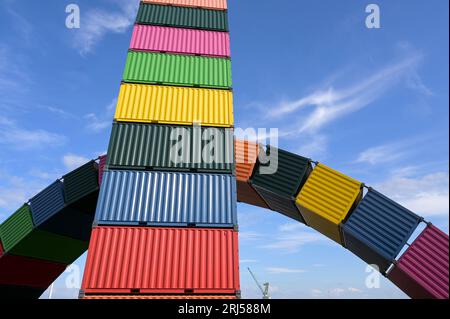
point(378, 229)
point(167, 199)
point(166, 147)
point(280, 204)
point(182, 17)
point(291, 173)
point(47, 203)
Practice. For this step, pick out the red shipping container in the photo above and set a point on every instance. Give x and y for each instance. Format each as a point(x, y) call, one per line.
point(422, 271)
point(101, 168)
point(124, 260)
point(182, 41)
point(246, 155)
point(29, 272)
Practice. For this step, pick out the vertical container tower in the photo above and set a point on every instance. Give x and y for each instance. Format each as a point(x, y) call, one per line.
point(166, 222)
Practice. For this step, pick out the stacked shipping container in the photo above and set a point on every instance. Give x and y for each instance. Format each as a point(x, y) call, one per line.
point(47, 233)
point(166, 224)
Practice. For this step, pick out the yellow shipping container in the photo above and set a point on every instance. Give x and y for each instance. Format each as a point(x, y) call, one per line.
point(174, 105)
point(326, 199)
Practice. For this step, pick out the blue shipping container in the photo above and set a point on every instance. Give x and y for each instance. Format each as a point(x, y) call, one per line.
point(47, 203)
point(378, 229)
point(167, 199)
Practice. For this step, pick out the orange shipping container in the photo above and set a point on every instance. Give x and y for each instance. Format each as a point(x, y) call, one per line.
point(208, 4)
point(131, 260)
point(246, 155)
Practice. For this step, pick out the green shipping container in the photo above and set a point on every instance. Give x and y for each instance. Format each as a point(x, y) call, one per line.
point(182, 17)
point(81, 182)
point(48, 246)
point(146, 146)
point(81, 187)
point(19, 237)
point(181, 70)
point(16, 227)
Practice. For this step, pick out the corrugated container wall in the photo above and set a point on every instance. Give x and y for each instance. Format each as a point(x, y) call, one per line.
point(422, 271)
point(140, 146)
point(81, 182)
point(326, 199)
point(284, 174)
point(47, 203)
point(101, 168)
point(182, 41)
point(279, 180)
point(378, 229)
point(167, 199)
point(24, 271)
point(280, 204)
point(125, 260)
point(182, 17)
point(16, 227)
point(210, 4)
point(1, 248)
point(174, 105)
point(174, 69)
point(246, 155)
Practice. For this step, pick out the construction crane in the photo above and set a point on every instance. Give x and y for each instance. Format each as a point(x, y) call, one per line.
point(264, 288)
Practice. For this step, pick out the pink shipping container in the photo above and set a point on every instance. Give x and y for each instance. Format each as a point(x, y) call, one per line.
point(131, 260)
point(182, 41)
point(208, 4)
point(101, 168)
point(422, 271)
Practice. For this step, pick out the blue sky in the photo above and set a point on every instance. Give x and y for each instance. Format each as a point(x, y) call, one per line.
point(371, 103)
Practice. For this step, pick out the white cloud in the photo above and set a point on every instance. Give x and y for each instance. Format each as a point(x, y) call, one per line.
point(426, 195)
point(391, 152)
point(249, 235)
point(72, 161)
point(292, 242)
point(339, 292)
point(315, 147)
point(282, 270)
point(60, 112)
point(97, 23)
point(97, 123)
point(15, 190)
point(291, 227)
point(19, 138)
point(248, 261)
point(380, 154)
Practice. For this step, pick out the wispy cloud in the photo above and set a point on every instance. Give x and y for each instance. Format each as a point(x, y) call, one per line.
point(290, 237)
point(15, 190)
point(348, 292)
point(425, 194)
point(393, 151)
point(18, 138)
point(248, 261)
point(331, 104)
point(13, 75)
point(72, 161)
point(59, 112)
point(97, 123)
point(292, 242)
point(282, 270)
point(97, 23)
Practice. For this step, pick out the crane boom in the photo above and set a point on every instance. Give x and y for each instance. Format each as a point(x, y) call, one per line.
point(265, 290)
